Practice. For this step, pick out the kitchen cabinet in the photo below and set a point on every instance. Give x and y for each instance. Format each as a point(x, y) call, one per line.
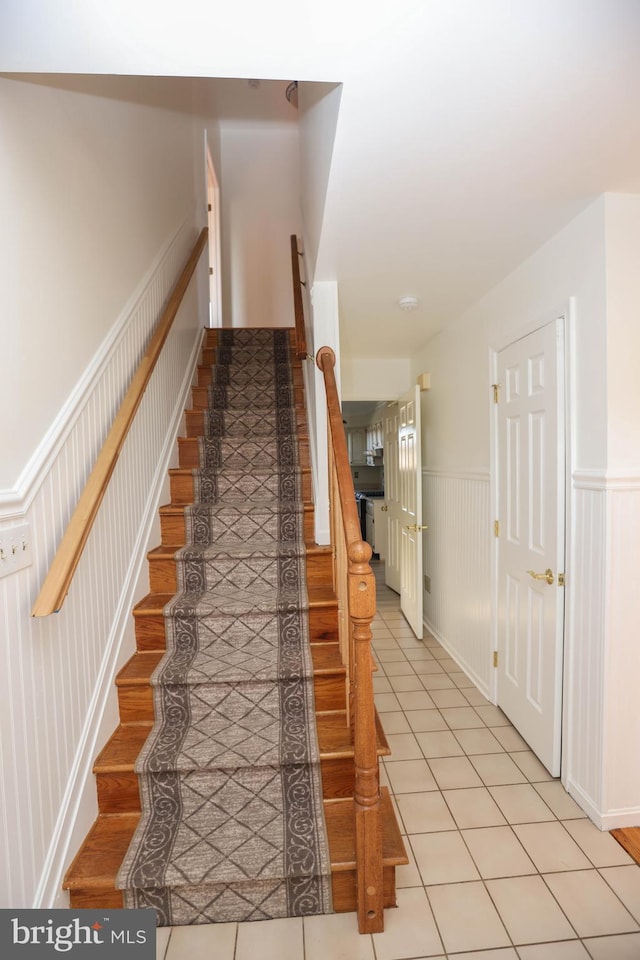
point(356, 445)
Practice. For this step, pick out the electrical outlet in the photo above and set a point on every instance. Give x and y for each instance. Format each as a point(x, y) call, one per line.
point(15, 549)
point(427, 583)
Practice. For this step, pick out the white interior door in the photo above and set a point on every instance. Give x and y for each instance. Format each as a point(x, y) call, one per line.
point(392, 498)
point(410, 490)
point(531, 538)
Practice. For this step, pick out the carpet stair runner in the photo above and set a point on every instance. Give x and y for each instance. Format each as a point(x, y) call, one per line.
point(222, 646)
point(232, 824)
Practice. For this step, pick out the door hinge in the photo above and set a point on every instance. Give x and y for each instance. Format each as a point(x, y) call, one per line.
point(495, 658)
point(496, 528)
point(209, 207)
point(496, 392)
point(210, 271)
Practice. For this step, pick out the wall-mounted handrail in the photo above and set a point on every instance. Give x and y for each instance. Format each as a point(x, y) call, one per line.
point(298, 308)
point(56, 585)
point(356, 591)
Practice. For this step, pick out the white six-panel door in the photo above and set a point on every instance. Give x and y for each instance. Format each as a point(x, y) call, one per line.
point(392, 498)
point(530, 436)
point(410, 496)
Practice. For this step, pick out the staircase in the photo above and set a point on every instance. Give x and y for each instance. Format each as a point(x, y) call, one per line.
point(92, 879)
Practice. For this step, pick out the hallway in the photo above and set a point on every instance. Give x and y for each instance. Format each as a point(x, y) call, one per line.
point(505, 866)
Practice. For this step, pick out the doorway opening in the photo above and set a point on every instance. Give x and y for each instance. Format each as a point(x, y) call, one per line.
point(213, 223)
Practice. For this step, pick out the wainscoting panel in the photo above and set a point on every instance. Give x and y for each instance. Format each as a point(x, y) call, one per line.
point(457, 560)
point(58, 671)
point(584, 660)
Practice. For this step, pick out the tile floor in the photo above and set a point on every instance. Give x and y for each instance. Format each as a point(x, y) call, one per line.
point(504, 865)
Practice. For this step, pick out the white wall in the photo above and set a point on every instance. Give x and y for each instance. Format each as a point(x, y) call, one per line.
point(371, 379)
point(98, 188)
point(90, 189)
point(592, 261)
point(260, 210)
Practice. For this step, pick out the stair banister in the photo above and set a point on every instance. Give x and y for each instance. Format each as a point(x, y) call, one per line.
point(298, 308)
point(355, 587)
point(58, 580)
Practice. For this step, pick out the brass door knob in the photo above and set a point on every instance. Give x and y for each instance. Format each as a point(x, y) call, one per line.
point(415, 527)
point(547, 575)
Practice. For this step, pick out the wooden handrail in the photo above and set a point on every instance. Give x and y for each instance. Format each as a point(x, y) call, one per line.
point(298, 308)
point(355, 586)
point(56, 585)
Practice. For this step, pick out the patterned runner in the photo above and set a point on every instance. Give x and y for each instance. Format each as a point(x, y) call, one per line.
point(232, 826)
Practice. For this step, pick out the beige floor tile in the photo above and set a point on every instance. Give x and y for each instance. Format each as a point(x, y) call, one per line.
point(162, 941)
point(626, 883)
point(590, 905)
point(421, 721)
point(428, 667)
point(478, 740)
point(493, 716)
point(382, 685)
point(390, 656)
point(497, 853)
point(497, 768)
point(521, 804)
point(454, 773)
point(396, 723)
point(414, 654)
point(474, 808)
point(201, 941)
point(404, 746)
point(381, 642)
point(335, 936)
point(399, 668)
point(410, 930)
point(550, 847)
point(410, 776)
point(466, 917)
point(271, 940)
point(533, 770)
point(416, 701)
point(440, 743)
point(436, 681)
point(442, 858)
point(461, 718)
point(509, 738)
point(401, 684)
point(624, 946)
point(528, 910)
point(449, 698)
point(556, 797)
point(567, 950)
point(408, 874)
point(461, 680)
point(384, 779)
point(386, 702)
point(599, 845)
point(473, 696)
point(505, 953)
point(425, 812)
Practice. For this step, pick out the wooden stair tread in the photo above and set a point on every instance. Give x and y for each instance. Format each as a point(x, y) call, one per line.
point(320, 595)
point(121, 750)
point(334, 738)
point(167, 551)
point(339, 817)
point(177, 509)
point(99, 859)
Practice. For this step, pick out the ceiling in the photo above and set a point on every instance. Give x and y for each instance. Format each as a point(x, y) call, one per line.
point(469, 131)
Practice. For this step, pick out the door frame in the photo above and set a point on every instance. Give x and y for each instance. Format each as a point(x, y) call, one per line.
point(212, 194)
point(566, 368)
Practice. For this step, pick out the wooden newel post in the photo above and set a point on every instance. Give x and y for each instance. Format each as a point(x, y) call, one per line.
point(368, 825)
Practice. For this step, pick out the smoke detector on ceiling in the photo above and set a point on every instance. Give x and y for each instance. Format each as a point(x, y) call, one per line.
point(408, 303)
